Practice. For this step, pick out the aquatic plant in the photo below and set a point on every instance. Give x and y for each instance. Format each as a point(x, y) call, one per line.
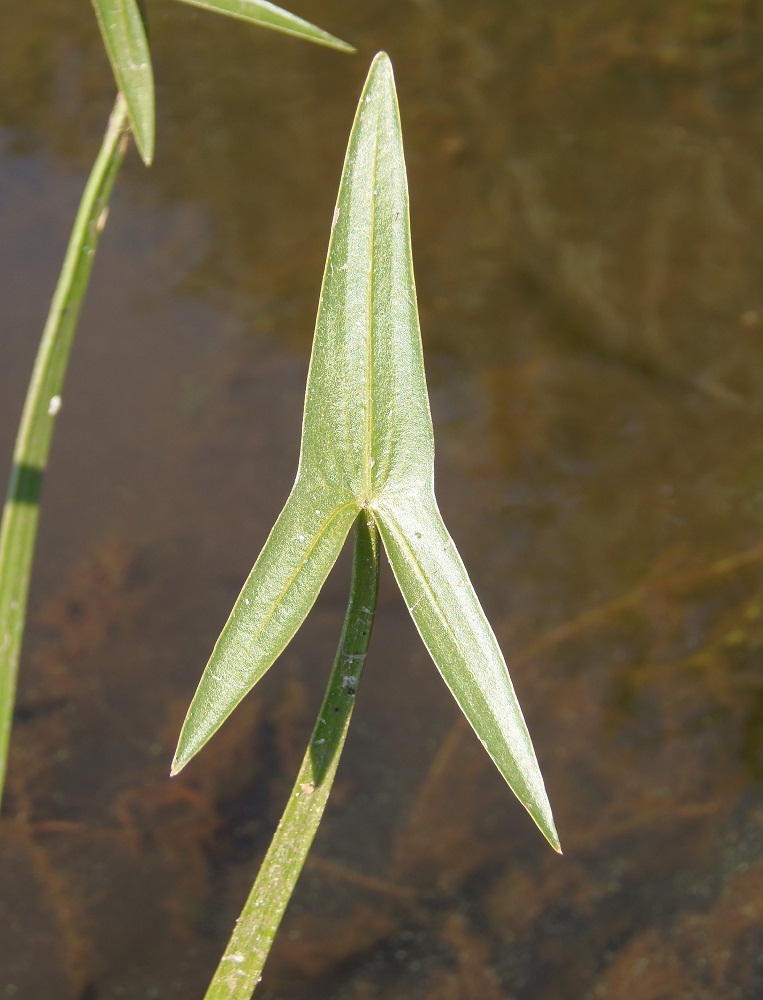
point(367, 456)
point(124, 37)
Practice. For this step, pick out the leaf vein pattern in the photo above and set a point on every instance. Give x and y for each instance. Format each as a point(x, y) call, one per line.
point(370, 327)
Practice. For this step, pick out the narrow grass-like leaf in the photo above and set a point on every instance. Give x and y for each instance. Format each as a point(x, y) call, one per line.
point(124, 37)
point(267, 15)
point(18, 529)
point(368, 443)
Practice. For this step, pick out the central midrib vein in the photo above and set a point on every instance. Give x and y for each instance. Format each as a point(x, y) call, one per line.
point(368, 493)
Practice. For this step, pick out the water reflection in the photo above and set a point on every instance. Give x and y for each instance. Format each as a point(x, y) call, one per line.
point(587, 213)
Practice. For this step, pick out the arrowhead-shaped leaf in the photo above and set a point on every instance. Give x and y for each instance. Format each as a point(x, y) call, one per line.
point(124, 37)
point(269, 16)
point(367, 442)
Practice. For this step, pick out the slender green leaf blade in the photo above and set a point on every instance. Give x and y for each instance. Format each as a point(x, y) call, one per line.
point(282, 587)
point(269, 16)
point(450, 619)
point(124, 37)
point(18, 528)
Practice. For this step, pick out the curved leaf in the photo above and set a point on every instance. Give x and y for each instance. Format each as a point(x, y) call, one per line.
point(269, 16)
point(18, 527)
point(124, 37)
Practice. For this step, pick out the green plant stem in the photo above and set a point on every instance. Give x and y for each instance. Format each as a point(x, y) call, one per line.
point(43, 400)
point(240, 968)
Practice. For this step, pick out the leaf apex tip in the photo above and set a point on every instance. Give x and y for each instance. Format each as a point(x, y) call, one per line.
point(144, 145)
point(382, 63)
point(176, 767)
point(553, 838)
point(544, 820)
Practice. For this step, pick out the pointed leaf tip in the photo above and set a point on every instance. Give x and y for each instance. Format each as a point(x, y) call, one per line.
point(381, 71)
point(268, 15)
point(381, 59)
point(124, 38)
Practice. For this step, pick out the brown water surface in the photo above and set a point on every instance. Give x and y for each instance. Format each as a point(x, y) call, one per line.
point(587, 203)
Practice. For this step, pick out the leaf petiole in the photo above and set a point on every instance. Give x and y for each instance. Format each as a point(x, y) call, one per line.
point(241, 966)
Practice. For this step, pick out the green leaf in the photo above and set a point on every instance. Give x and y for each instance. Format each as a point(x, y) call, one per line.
point(124, 37)
point(18, 527)
point(269, 16)
point(368, 443)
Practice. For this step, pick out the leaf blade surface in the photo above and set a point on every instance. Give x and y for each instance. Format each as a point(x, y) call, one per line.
point(455, 630)
point(276, 598)
point(366, 391)
point(268, 15)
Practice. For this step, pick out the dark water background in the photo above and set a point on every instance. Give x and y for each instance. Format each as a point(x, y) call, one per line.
point(587, 209)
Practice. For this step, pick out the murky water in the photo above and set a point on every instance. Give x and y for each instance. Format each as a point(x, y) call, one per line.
point(587, 201)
